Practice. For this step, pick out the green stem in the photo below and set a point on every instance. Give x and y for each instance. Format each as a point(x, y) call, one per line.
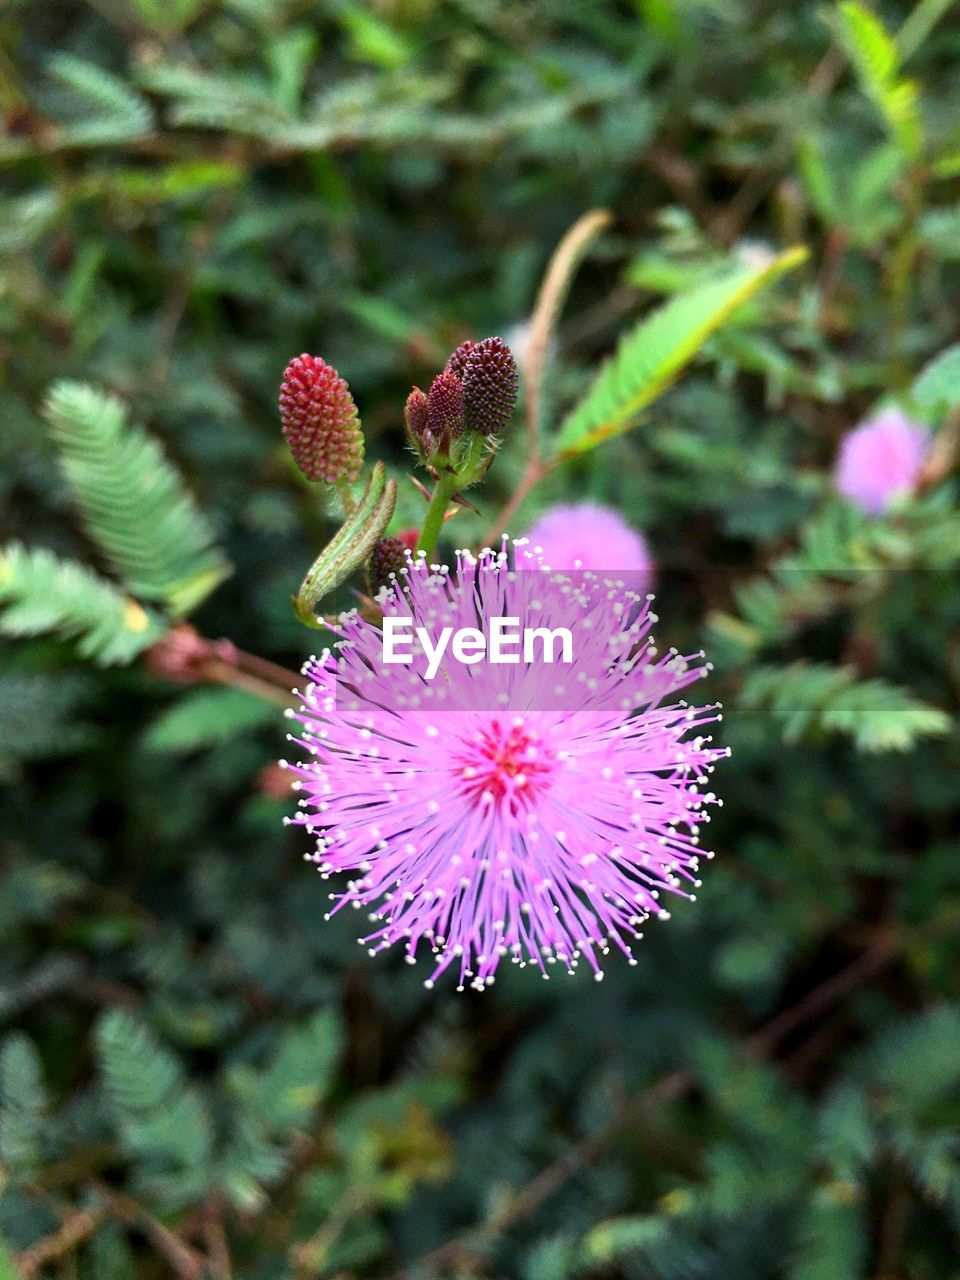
point(447, 486)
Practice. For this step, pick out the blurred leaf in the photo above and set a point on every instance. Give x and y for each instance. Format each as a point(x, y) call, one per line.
point(876, 58)
point(373, 40)
point(23, 1104)
point(166, 16)
point(8, 1268)
point(120, 113)
point(133, 501)
point(878, 716)
point(621, 1236)
point(208, 717)
point(40, 716)
point(162, 1122)
point(39, 594)
point(299, 1074)
point(650, 357)
point(937, 389)
point(832, 1239)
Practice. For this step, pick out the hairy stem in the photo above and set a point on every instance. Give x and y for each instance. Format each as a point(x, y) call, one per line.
point(346, 497)
point(433, 523)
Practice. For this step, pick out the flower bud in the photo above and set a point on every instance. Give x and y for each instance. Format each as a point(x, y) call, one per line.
point(387, 558)
point(458, 361)
point(490, 381)
point(445, 408)
point(320, 421)
point(415, 414)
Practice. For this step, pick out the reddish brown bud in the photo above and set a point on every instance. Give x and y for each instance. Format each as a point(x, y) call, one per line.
point(490, 381)
point(320, 421)
point(445, 406)
point(458, 361)
point(388, 557)
point(186, 656)
point(415, 414)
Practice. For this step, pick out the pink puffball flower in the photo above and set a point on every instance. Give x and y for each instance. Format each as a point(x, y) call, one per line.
point(881, 460)
point(585, 535)
point(526, 811)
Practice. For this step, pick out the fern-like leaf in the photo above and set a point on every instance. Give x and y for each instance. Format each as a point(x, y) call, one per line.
point(23, 1104)
point(207, 717)
point(162, 1122)
point(133, 501)
point(877, 715)
point(40, 593)
point(917, 1063)
point(299, 1073)
point(250, 1163)
point(650, 357)
point(874, 54)
point(118, 113)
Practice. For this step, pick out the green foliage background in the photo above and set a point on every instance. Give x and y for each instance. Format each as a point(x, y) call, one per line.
point(200, 1078)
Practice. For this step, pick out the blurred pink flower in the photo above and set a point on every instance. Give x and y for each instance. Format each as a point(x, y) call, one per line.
point(881, 460)
point(584, 535)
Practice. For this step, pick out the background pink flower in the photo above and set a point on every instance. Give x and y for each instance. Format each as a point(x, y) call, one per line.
point(881, 460)
point(585, 535)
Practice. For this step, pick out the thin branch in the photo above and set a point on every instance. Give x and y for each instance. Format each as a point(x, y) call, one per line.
point(77, 1227)
point(943, 453)
point(253, 665)
point(187, 1263)
point(215, 1239)
point(550, 299)
point(219, 672)
point(893, 1227)
point(535, 472)
point(826, 994)
point(553, 292)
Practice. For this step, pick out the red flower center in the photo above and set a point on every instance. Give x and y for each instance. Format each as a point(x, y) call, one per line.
point(505, 764)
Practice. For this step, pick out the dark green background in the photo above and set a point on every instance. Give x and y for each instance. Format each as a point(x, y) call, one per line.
point(772, 1092)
